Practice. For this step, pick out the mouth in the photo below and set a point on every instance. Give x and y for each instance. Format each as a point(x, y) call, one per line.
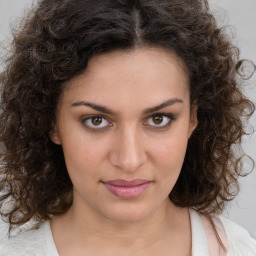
point(127, 189)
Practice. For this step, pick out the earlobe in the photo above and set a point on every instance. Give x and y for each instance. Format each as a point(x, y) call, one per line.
point(193, 120)
point(55, 136)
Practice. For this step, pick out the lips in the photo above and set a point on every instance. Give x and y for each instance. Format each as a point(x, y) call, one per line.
point(126, 189)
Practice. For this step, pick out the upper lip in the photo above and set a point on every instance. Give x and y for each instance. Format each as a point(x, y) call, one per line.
point(126, 183)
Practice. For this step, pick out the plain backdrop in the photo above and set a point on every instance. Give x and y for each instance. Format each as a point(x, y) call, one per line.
point(241, 18)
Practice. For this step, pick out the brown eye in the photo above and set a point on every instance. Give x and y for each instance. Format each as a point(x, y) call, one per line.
point(96, 122)
point(160, 120)
point(157, 119)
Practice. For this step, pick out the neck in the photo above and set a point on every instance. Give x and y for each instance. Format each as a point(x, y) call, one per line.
point(92, 229)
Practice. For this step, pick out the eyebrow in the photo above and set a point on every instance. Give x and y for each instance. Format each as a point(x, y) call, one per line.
point(162, 105)
point(97, 107)
point(106, 110)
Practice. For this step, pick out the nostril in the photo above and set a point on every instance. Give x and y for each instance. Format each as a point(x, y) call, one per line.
point(128, 161)
point(128, 153)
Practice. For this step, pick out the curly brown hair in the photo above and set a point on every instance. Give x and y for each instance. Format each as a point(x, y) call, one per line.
point(54, 44)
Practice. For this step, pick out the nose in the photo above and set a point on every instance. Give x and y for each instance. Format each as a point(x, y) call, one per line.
point(128, 152)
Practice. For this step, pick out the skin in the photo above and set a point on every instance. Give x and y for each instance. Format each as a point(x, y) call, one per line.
point(129, 143)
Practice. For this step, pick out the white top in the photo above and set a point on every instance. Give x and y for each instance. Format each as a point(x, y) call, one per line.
point(40, 242)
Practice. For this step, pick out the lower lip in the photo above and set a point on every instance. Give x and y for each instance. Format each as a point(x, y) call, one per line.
point(125, 192)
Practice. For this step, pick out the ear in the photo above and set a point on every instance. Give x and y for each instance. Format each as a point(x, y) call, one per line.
point(55, 135)
point(193, 120)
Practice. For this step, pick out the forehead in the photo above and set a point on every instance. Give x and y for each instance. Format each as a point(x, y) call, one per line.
point(153, 74)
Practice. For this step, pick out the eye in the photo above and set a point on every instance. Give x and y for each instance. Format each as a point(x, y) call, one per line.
point(96, 122)
point(160, 120)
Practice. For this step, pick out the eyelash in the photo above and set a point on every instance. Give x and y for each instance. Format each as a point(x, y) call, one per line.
point(171, 118)
point(89, 118)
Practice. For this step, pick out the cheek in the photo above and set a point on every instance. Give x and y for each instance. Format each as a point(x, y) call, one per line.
point(169, 155)
point(83, 159)
point(168, 160)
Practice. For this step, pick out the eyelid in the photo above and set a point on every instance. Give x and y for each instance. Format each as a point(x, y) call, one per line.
point(171, 118)
point(86, 118)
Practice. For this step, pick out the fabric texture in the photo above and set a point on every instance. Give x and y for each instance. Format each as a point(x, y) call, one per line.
point(213, 226)
point(40, 242)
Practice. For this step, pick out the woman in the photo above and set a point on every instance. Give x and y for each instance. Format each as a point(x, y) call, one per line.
point(118, 124)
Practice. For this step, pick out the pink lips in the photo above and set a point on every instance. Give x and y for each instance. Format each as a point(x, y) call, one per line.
point(127, 189)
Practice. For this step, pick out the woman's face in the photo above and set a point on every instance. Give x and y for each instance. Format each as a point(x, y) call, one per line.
point(124, 124)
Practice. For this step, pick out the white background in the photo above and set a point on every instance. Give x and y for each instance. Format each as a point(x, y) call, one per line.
point(241, 16)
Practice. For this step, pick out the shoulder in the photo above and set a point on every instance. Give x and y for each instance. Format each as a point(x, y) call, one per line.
point(240, 242)
point(29, 243)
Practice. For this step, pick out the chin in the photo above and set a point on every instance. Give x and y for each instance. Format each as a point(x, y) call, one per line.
point(125, 213)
